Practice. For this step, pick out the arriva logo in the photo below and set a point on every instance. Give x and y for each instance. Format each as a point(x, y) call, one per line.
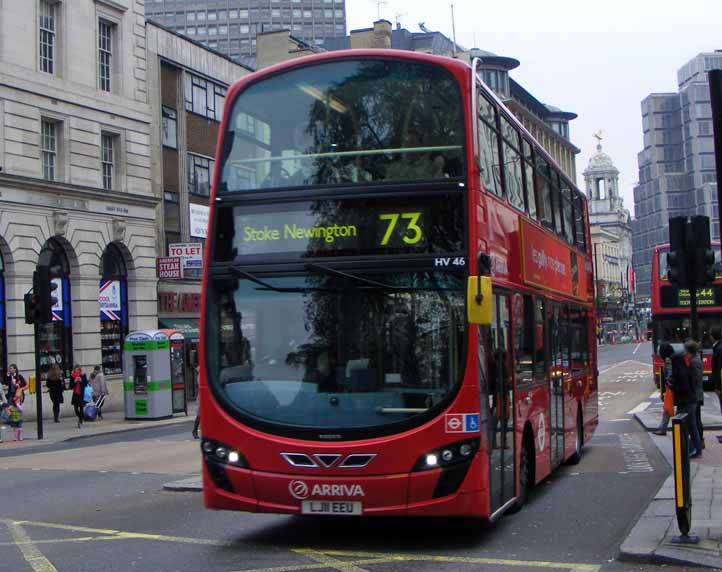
point(338, 490)
point(299, 490)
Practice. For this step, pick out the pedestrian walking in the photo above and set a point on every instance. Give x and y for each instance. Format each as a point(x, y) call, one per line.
point(79, 381)
point(691, 397)
point(100, 389)
point(717, 367)
point(666, 351)
point(54, 383)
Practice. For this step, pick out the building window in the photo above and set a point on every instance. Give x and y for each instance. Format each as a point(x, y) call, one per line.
point(113, 302)
point(48, 36)
point(49, 141)
point(200, 171)
point(108, 145)
point(55, 338)
point(204, 97)
point(169, 128)
point(105, 54)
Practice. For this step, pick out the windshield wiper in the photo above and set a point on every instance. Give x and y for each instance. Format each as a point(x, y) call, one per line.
point(248, 276)
point(334, 272)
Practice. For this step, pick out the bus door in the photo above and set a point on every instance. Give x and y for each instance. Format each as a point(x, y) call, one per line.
point(500, 399)
point(556, 383)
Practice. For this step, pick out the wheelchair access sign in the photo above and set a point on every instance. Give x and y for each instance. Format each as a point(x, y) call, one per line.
point(462, 422)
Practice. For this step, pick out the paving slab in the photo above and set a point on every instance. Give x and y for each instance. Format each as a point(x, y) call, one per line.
point(650, 539)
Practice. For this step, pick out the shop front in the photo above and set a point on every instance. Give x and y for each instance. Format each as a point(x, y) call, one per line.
point(55, 339)
point(179, 308)
point(113, 303)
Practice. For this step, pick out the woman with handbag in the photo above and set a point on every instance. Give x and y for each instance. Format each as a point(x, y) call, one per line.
point(78, 383)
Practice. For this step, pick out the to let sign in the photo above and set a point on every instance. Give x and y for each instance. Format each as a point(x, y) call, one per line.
point(191, 254)
point(168, 268)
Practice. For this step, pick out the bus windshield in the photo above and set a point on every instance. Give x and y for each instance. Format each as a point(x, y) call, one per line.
point(335, 350)
point(345, 122)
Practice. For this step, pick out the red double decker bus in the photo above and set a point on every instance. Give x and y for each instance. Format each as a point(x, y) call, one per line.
point(671, 312)
point(398, 313)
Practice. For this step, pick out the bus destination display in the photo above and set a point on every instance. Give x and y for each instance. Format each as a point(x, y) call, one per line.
point(348, 228)
point(672, 297)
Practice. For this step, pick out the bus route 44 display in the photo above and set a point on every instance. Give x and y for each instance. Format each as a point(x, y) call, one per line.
point(358, 249)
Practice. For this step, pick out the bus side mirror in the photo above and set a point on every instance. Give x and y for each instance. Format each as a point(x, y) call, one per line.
point(478, 300)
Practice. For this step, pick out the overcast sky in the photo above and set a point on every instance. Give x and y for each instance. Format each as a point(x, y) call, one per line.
point(598, 59)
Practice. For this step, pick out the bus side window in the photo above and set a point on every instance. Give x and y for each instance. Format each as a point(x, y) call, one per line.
point(567, 213)
point(581, 236)
point(524, 339)
point(489, 147)
point(529, 193)
point(540, 362)
point(556, 201)
point(544, 192)
point(512, 165)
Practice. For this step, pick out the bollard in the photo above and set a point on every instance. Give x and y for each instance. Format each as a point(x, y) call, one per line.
point(682, 484)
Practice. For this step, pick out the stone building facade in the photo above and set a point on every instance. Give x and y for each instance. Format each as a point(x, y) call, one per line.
point(187, 84)
point(75, 180)
point(611, 231)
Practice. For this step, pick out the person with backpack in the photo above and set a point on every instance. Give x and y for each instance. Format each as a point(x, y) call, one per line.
point(666, 351)
point(688, 378)
point(78, 385)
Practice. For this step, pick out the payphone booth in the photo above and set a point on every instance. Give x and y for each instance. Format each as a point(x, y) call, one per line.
point(148, 366)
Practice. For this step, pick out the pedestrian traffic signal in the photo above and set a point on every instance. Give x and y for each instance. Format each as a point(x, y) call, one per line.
point(677, 268)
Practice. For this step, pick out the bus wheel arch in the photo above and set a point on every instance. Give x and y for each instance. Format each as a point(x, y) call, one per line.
point(578, 438)
point(527, 468)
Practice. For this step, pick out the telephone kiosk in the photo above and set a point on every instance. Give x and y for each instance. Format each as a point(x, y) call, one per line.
point(153, 362)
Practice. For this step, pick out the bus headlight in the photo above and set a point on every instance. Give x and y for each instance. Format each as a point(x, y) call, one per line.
point(220, 453)
point(449, 455)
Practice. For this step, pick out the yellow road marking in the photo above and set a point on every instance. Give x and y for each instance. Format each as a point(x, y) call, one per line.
point(364, 558)
point(109, 534)
point(323, 559)
point(30, 552)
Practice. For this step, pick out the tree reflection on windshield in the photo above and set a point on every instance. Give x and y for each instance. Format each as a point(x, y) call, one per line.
point(329, 350)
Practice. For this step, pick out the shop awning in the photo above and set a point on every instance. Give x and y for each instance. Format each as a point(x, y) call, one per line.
point(190, 327)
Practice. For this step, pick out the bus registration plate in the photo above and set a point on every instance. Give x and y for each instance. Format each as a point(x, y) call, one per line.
point(330, 507)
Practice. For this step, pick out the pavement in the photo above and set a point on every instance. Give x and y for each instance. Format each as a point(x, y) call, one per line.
point(67, 428)
point(650, 540)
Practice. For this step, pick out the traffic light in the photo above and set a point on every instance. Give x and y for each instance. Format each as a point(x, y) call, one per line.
point(677, 268)
point(704, 272)
point(31, 307)
point(43, 289)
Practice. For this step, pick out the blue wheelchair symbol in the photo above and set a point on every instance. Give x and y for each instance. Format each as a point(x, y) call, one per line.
point(471, 422)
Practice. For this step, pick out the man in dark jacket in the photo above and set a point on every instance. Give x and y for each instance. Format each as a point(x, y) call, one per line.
point(695, 374)
point(717, 367)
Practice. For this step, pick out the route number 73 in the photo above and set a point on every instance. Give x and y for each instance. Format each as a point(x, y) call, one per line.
point(413, 233)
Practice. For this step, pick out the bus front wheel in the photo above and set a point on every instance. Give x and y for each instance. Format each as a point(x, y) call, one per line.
point(578, 441)
point(526, 471)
